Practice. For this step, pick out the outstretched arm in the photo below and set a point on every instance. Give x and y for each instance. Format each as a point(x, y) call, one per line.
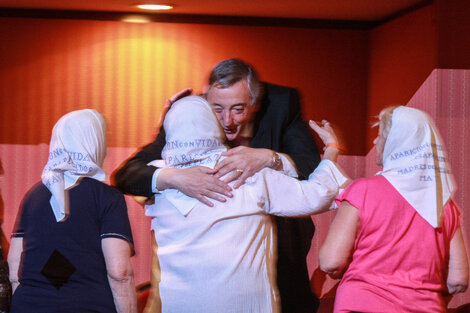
point(287, 196)
point(329, 138)
point(290, 197)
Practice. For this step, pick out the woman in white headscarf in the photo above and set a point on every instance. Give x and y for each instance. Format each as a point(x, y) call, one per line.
point(396, 239)
point(71, 247)
point(222, 258)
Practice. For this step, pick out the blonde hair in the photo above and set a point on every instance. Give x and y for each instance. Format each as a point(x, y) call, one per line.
point(385, 120)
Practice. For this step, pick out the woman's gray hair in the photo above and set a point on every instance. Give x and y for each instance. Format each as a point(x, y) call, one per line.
point(385, 120)
point(228, 72)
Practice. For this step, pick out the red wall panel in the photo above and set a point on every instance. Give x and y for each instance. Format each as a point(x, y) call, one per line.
point(454, 27)
point(403, 53)
point(50, 67)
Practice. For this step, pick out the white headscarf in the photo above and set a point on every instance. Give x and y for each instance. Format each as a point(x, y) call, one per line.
point(414, 162)
point(77, 149)
point(193, 137)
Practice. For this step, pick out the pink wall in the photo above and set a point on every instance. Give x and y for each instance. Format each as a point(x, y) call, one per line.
point(445, 96)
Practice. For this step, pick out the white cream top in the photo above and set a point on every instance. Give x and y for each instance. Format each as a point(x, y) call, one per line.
point(223, 258)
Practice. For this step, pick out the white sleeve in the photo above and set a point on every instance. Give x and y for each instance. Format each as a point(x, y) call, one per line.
point(154, 180)
point(287, 196)
point(159, 164)
point(288, 165)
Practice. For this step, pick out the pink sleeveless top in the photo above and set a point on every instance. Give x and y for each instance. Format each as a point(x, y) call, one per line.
point(399, 260)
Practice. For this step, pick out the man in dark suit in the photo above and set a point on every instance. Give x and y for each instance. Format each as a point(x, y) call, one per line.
point(264, 122)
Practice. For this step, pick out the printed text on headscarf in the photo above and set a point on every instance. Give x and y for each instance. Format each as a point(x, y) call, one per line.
point(424, 156)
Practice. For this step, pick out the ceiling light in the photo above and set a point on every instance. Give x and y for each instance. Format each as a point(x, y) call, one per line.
point(155, 6)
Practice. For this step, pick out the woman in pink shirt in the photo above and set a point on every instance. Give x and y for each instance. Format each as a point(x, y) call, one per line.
point(396, 239)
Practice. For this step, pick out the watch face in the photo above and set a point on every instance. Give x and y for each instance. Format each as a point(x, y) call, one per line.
point(276, 161)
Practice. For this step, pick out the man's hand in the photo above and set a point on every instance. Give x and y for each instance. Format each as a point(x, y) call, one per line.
point(197, 182)
point(242, 162)
point(180, 94)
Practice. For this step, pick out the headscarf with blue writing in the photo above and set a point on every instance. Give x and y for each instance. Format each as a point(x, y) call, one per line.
point(194, 137)
point(414, 162)
point(193, 134)
point(77, 149)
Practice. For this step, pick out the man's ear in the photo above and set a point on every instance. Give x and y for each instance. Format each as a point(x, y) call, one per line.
point(205, 89)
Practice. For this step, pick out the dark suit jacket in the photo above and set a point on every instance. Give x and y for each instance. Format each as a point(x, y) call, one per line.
point(277, 126)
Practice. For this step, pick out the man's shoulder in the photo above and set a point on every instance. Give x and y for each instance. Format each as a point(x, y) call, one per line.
point(279, 99)
point(273, 89)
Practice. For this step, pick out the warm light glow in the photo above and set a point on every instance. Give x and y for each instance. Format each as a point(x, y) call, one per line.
point(155, 6)
point(135, 19)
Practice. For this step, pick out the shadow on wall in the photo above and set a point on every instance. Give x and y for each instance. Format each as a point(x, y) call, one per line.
point(327, 298)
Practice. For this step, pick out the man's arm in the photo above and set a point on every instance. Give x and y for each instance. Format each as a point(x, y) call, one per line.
point(134, 176)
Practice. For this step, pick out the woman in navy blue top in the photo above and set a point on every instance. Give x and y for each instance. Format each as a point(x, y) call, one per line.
point(72, 243)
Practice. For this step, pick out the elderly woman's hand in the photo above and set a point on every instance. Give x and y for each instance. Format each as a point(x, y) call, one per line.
point(325, 132)
point(329, 138)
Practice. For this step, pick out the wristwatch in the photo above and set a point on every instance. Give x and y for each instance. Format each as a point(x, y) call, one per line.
point(276, 161)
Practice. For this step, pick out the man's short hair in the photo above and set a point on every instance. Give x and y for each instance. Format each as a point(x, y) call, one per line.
point(228, 72)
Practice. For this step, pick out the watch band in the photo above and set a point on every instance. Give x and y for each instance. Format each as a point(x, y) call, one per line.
point(276, 161)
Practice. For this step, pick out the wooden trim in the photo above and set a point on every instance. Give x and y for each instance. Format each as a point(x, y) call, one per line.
point(190, 19)
point(405, 11)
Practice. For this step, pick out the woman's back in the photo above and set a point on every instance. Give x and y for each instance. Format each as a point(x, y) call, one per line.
point(399, 260)
point(223, 258)
point(63, 268)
